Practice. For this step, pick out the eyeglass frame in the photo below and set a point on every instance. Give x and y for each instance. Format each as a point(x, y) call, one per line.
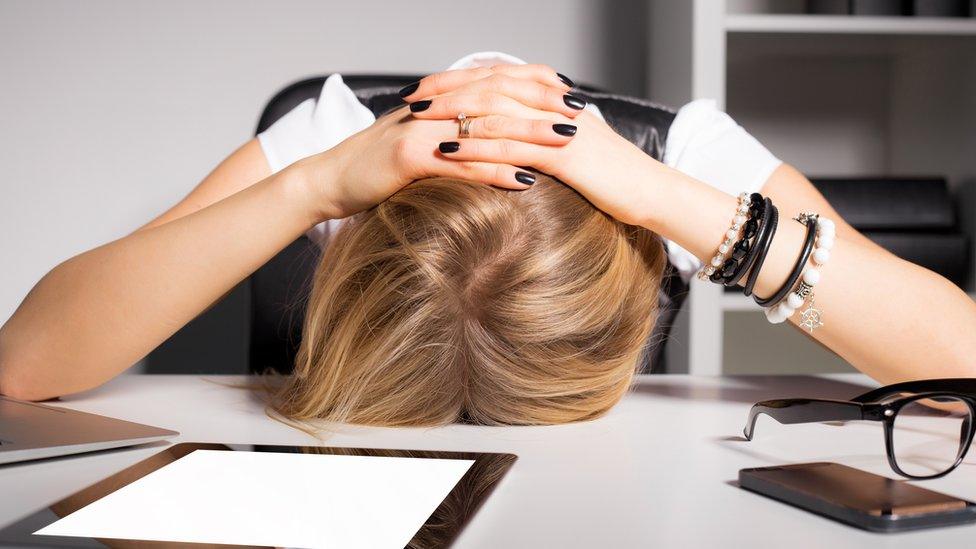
point(881, 404)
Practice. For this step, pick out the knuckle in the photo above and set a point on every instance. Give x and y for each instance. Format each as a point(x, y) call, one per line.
point(487, 100)
point(493, 124)
point(505, 148)
point(403, 149)
point(551, 96)
point(543, 68)
point(494, 102)
point(540, 127)
point(544, 95)
point(499, 173)
point(482, 72)
point(450, 104)
point(432, 81)
point(496, 81)
point(475, 148)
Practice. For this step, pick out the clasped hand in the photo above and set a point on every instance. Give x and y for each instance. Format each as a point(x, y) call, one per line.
point(522, 115)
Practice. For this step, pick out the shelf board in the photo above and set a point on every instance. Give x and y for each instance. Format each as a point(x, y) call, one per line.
point(846, 24)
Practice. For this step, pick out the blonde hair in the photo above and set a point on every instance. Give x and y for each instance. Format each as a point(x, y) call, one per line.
point(454, 301)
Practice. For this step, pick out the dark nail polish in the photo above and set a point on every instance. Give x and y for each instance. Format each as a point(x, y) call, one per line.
point(423, 106)
point(449, 147)
point(571, 101)
point(568, 130)
point(566, 80)
point(409, 89)
point(525, 178)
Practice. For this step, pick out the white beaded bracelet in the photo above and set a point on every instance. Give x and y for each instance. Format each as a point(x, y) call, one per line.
point(738, 221)
point(812, 317)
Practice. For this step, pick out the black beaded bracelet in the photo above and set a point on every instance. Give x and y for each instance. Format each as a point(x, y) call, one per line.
point(732, 267)
point(752, 246)
point(763, 249)
point(797, 268)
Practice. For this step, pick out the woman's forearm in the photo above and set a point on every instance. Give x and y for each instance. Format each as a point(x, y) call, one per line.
point(889, 318)
point(96, 314)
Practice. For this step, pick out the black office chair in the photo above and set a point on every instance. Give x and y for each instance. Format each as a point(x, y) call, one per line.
point(279, 289)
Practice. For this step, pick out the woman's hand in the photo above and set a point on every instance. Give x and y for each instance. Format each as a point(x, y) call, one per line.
point(530, 109)
point(597, 162)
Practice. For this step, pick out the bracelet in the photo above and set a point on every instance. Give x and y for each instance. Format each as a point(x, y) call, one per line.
point(811, 223)
point(751, 247)
point(763, 249)
point(812, 317)
point(738, 220)
point(741, 249)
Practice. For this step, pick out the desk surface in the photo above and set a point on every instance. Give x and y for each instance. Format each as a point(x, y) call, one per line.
point(659, 469)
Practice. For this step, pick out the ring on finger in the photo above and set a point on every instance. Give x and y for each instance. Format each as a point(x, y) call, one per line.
point(464, 126)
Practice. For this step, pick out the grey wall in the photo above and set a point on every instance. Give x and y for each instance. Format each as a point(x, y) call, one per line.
point(112, 111)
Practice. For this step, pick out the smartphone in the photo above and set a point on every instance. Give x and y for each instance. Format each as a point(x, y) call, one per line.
point(858, 498)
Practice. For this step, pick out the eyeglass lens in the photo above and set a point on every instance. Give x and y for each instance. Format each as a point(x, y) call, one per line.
point(928, 435)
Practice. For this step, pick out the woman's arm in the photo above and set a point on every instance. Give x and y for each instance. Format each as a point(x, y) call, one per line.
point(94, 315)
point(889, 318)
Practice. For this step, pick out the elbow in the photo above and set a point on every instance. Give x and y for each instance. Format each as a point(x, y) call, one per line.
point(16, 386)
point(15, 379)
point(12, 387)
point(20, 387)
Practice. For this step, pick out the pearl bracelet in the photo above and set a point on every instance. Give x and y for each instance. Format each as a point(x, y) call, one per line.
point(740, 218)
point(812, 317)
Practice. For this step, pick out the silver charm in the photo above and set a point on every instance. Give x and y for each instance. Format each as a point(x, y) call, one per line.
point(806, 217)
point(811, 317)
point(804, 290)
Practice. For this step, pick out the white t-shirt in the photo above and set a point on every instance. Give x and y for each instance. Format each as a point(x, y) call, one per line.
point(702, 142)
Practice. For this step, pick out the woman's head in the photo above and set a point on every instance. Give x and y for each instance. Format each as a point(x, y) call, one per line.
point(456, 301)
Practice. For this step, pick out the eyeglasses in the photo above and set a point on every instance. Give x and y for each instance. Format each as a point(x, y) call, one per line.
point(928, 424)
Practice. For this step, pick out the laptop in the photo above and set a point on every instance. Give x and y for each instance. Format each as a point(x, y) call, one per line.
point(34, 431)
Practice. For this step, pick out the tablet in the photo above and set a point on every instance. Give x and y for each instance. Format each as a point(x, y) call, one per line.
point(206, 494)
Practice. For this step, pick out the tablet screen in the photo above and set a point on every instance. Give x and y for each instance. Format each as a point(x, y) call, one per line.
point(279, 496)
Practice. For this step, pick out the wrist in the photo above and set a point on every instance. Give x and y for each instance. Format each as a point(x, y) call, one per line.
point(310, 182)
point(658, 193)
point(682, 209)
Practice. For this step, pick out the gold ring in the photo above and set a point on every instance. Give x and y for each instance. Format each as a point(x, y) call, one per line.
point(464, 127)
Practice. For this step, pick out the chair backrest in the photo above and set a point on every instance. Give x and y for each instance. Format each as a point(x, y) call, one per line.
point(280, 288)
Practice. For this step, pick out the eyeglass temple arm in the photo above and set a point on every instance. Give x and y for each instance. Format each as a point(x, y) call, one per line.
point(802, 410)
point(960, 384)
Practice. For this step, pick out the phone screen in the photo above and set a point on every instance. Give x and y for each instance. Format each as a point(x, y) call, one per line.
point(859, 490)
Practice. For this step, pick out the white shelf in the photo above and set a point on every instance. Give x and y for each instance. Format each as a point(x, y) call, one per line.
point(841, 95)
point(845, 24)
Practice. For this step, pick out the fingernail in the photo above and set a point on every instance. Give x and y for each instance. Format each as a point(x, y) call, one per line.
point(571, 101)
point(568, 130)
point(449, 147)
point(566, 80)
point(423, 106)
point(409, 89)
point(525, 178)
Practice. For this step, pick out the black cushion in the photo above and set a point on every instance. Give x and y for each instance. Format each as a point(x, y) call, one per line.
point(912, 217)
point(280, 288)
point(890, 203)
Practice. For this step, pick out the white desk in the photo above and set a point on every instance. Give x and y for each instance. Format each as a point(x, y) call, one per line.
point(657, 471)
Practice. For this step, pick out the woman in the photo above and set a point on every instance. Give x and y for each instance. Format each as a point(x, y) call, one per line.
point(75, 330)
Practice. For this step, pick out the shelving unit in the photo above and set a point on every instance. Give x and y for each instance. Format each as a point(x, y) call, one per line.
point(834, 24)
point(831, 95)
